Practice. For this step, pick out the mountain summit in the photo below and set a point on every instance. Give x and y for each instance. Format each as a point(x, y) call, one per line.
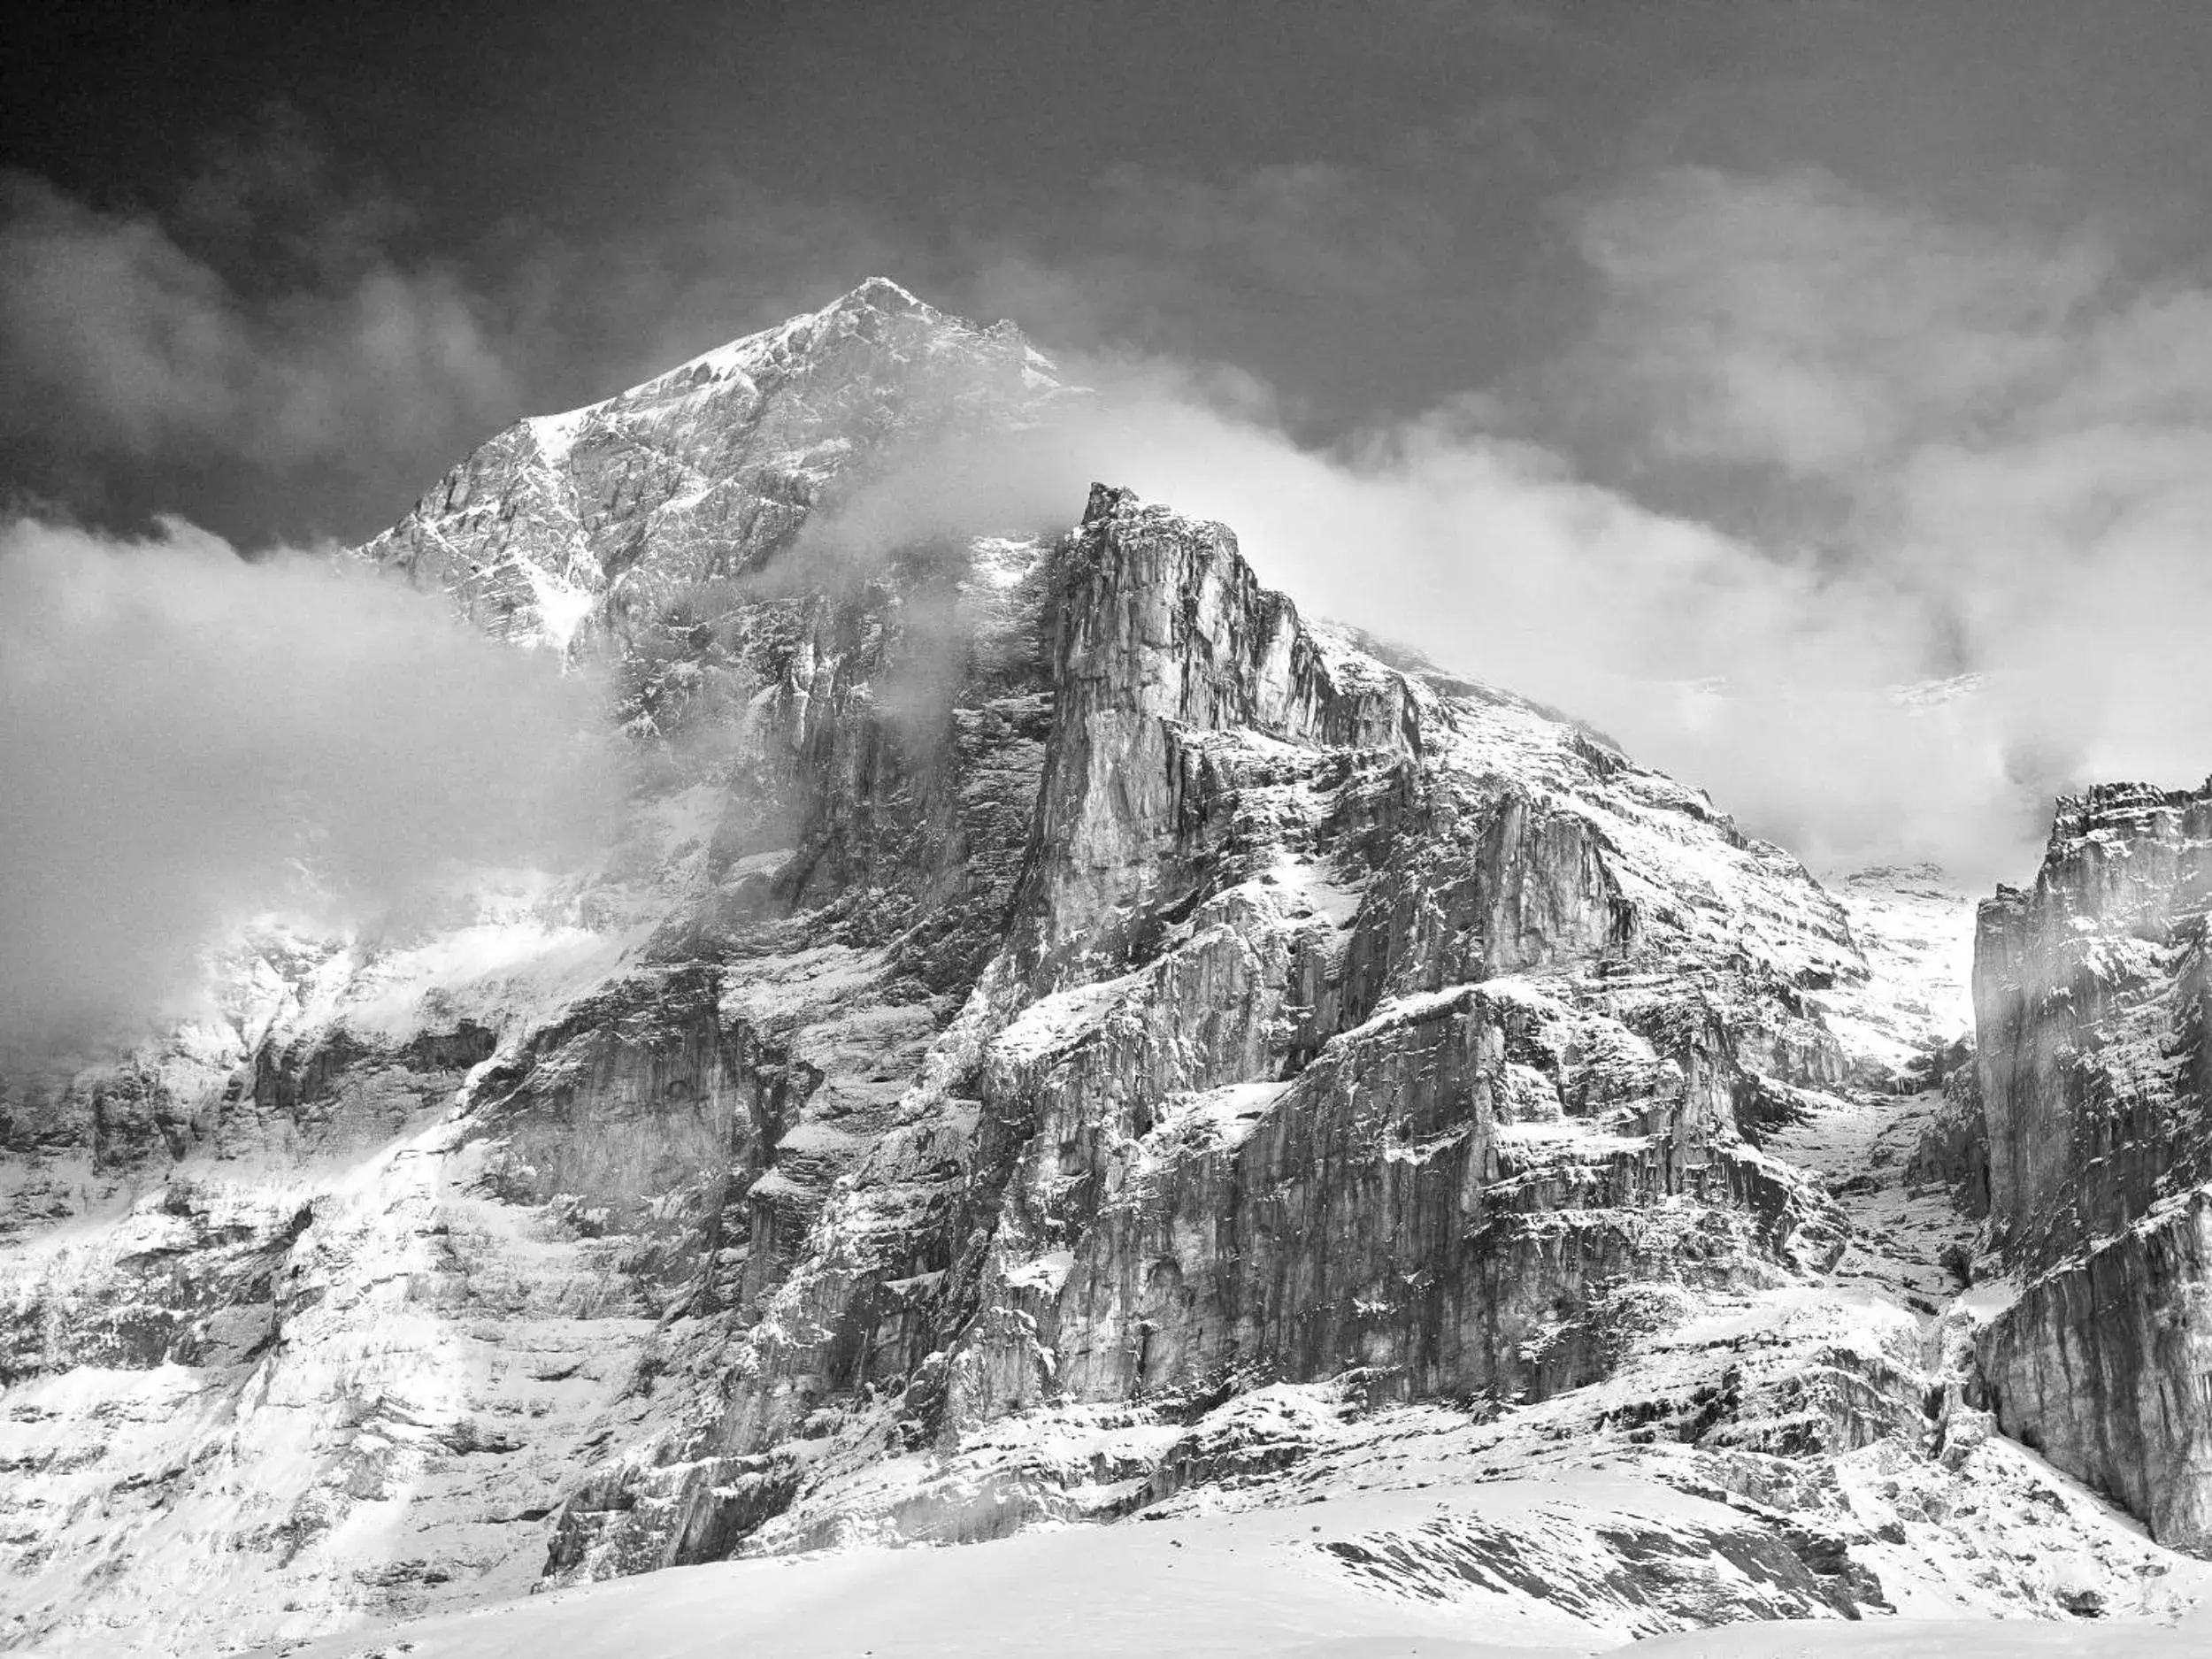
point(1062, 1037)
point(566, 525)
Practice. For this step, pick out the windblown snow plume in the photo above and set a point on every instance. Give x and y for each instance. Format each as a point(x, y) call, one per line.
point(188, 737)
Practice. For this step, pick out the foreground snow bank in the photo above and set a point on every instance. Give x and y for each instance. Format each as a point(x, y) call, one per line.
point(1215, 1585)
point(1931, 1639)
point(1138, 1591)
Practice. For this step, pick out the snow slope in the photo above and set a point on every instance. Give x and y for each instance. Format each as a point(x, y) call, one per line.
point(1213, 1586)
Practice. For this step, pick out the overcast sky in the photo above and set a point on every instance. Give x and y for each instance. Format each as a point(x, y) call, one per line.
point(267, 265)
point(1816, 346)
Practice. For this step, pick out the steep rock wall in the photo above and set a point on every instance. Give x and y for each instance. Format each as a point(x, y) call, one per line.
point(2094, 1063)
point(1237, 1097)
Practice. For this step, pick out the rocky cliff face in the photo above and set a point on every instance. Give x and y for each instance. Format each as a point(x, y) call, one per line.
point(1317, 1040)
point(1060, 1035)
point(2089, 994)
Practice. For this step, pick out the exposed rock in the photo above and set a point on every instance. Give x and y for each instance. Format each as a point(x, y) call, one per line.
point(1341, 1023)
point(2090, 997)
point(1954, 1147)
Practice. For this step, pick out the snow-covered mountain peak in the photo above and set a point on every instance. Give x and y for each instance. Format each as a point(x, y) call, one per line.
point(878, 314)
point(577, 530)
point(877, 293)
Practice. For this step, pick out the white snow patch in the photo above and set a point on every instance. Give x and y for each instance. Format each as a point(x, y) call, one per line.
point(1000, 561)
point(1916, 928)
point(1308, 885)
point(556, 435)
point(1047, 1272)
point(1054, 1022)
point(562, 606)
point(1227, 1115)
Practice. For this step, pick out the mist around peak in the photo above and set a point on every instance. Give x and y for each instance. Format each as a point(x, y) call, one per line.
point(1794, 689)
point(190, 738)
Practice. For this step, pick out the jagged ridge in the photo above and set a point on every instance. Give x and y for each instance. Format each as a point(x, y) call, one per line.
point(1126, 1056)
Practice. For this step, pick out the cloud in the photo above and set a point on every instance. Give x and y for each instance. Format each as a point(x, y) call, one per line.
point(1797, 322)
point(189, 738)
point(2010, 426)
point(116, 339)
point(2049, 545)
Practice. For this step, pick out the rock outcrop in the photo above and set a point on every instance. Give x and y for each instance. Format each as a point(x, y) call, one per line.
point(2090, 997)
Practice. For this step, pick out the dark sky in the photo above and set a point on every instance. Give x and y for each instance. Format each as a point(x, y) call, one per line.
point(1607, 348)
point(270, 265)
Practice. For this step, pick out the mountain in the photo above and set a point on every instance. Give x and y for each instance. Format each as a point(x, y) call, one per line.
point(1061, 1038)
point(596, 519)
point(2090, 997)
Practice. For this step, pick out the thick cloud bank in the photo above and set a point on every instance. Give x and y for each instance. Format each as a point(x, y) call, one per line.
point(186, 737)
